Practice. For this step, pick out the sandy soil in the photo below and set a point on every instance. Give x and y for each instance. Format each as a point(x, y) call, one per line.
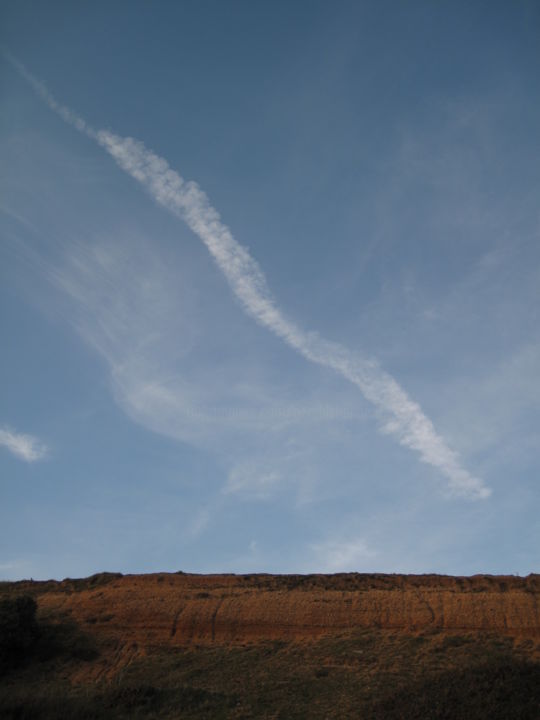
point(179, 609)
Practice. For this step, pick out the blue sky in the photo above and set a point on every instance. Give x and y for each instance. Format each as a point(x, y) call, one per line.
point(269, 287)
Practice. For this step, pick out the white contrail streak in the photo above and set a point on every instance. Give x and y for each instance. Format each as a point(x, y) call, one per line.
point(64, 112)
point(403, 418)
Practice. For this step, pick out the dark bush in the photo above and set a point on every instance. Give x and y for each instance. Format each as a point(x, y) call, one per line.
point(64, 640)
point(18, 629)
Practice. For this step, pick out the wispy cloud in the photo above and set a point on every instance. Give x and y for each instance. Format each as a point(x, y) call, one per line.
point(248, 477)
point(15, 569)
point(25, 447)
point(157, 358)
point(348, 555)
point(400, 416)
point(64, 112)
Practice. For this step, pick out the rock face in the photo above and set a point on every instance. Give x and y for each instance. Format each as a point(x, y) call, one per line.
point(179, 609)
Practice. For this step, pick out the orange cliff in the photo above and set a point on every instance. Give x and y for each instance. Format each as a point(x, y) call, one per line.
point(179, 609)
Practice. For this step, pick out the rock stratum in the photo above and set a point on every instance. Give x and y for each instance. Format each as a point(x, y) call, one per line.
point(184, 609)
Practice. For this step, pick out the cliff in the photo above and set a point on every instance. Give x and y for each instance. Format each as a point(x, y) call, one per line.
point(181, 609)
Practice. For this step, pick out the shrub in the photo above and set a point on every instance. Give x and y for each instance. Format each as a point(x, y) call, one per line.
point(18, 629)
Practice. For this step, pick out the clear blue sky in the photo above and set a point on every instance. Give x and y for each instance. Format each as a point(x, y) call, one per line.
point(339, 373)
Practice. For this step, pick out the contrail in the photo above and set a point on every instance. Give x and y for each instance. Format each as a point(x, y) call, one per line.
point(402, 417)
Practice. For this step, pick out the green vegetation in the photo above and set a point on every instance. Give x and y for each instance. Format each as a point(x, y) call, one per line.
point(124, 701)
point(498, 690)
point(369, 674)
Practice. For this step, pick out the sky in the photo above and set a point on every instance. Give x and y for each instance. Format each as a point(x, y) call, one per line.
point(269, 287)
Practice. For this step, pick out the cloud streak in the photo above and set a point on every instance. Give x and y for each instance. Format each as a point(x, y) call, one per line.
point(24, 447)
point(335, 556)
point(400, 416)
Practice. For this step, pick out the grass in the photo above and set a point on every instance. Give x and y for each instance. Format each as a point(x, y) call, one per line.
point(370, 675)
point(124, 701)
point(498, 690)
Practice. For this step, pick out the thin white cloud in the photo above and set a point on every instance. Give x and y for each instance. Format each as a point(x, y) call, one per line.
point(25, 447)
point(157, 358)
point(64, 112)
point(249, 478)
point(341, 555)
point(12, 565)
point(15, 569)
point(401, 417)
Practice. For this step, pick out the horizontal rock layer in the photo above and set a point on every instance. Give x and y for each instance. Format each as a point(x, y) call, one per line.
point(179, 609)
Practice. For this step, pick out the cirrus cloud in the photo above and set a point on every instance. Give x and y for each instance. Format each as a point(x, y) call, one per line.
point(25, 447)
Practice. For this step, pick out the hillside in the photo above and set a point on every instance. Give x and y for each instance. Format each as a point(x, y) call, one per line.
point(347, 645)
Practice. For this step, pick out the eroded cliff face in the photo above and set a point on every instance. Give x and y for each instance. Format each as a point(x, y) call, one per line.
point(179, 609)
